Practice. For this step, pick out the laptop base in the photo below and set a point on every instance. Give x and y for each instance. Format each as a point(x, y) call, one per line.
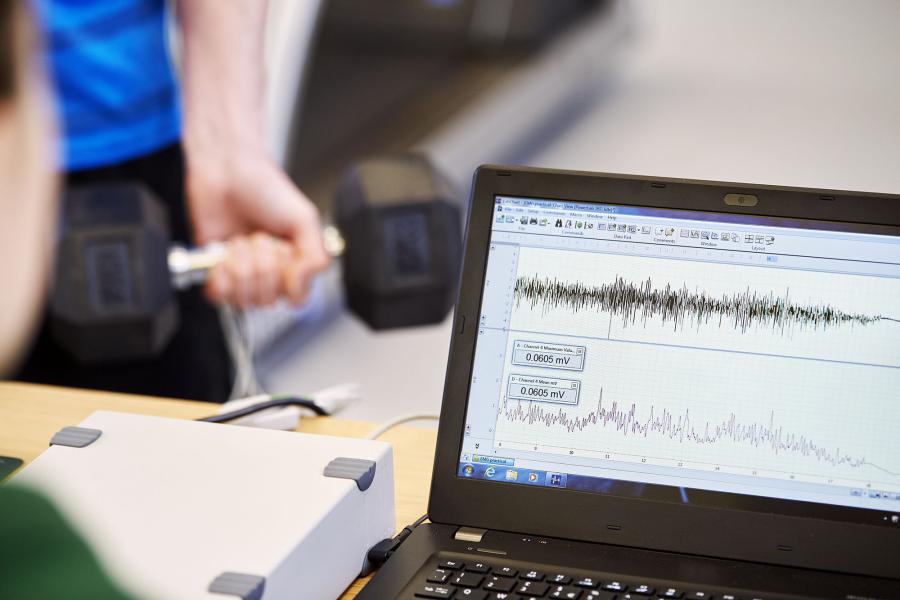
point(562, 565)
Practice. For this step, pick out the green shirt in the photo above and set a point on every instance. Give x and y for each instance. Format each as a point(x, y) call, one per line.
point(42, 556)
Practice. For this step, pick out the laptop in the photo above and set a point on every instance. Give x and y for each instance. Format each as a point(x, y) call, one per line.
point(662, 388)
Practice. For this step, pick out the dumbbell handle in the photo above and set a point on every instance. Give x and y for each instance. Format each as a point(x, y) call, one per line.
point(191, 266)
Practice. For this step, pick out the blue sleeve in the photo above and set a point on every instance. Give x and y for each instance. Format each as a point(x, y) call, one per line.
point(116, 90)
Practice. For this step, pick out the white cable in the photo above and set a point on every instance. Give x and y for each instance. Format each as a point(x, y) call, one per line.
point(234, 327)
point(388, 425)
point(335, 398)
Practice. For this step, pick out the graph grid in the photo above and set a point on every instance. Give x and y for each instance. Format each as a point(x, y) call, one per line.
point(747, 369)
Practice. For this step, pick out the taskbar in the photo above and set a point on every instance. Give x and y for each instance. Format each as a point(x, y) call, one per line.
point(491, 468)
point(509, 474)
point(496, 468)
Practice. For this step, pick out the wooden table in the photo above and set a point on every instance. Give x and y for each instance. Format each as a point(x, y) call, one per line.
point(31, 414)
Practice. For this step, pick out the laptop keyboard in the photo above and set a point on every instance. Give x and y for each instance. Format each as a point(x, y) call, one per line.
point(476, 579)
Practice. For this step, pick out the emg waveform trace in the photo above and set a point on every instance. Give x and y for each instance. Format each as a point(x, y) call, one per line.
point(640, 301)
point(683, 427)
point(725, 307)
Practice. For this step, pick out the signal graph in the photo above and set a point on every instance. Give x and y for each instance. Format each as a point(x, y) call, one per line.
point(751, 368)
point(801, 314)
point(681, 427)
point(632, 301)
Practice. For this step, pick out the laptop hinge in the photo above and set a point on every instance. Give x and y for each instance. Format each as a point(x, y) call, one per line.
point(469, 534)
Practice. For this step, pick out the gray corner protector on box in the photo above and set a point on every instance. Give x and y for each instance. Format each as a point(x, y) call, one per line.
point(76, 437)
point(242, 585)
point(360, 470)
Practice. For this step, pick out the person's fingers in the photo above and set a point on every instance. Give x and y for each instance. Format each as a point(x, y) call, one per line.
point(239, 265)
point(308, 240)
point(297, 280)
point(218, 285)
point(309, 259)
point(253, 272)
point(268, 264)
point(309, 247)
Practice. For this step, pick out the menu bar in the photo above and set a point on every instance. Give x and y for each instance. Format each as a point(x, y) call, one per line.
point(569, 222)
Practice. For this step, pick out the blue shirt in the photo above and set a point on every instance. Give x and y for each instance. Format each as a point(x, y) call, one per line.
point(116, 91)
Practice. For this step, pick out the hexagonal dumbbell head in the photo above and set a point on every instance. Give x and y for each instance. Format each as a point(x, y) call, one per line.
point(402, 227)
point(112, 298)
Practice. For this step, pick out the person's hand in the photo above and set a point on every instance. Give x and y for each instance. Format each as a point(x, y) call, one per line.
point(272, 231)
point(234, 187)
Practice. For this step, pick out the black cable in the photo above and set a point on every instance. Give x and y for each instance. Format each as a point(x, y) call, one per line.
point(382, 551)
point(274, 402)
point(418, 522)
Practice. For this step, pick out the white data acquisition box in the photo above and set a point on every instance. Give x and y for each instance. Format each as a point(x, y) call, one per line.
point(184, 509)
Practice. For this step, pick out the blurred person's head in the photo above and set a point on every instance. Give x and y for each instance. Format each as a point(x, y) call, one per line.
point(27, 180)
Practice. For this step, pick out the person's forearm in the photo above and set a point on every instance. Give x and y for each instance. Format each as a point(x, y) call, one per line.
point(223, 77)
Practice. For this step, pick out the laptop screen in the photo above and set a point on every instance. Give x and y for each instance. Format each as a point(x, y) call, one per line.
point(680, 355)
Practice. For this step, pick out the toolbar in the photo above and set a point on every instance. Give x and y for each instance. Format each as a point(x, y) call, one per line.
point(581, 220)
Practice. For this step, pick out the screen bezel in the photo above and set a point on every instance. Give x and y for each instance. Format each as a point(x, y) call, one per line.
point(739, 526)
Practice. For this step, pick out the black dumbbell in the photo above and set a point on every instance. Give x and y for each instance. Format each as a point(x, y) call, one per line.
point(113, 294)
point(403, 238)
